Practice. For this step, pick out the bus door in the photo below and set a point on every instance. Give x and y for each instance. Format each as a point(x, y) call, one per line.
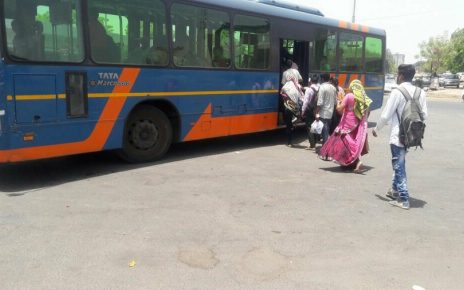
point(298, 52)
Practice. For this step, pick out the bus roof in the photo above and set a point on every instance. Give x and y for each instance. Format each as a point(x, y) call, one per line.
point(283, 9)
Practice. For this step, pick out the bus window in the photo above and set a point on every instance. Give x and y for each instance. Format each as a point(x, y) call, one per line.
point(107, 31)
point(146, 34)
point(373, 54)
point(252, 42)
point(200, 37)
point(324, 52)
point(44, 32)
point(350, 52)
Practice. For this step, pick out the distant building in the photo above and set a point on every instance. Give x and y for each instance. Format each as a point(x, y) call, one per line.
point(398, 58)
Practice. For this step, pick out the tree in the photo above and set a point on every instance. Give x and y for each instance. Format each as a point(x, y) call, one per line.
point(390, 66)
point(434, 52)
point(455, 56)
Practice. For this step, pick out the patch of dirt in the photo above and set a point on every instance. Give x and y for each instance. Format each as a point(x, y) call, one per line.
point(445, 93)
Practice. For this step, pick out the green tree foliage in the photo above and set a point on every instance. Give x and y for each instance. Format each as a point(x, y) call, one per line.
point(455, 53)
point(434, 53)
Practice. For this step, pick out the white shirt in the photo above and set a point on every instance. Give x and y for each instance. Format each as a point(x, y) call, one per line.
point(326, 100)
point(290, 74)
point(396, 103)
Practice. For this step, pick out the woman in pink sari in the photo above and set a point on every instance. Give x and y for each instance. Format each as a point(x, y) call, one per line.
point(346, 144)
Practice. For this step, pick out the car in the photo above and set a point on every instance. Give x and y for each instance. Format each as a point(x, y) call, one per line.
point(390, 84)
point(426, 81)
point(441, 80)
point(451, 80)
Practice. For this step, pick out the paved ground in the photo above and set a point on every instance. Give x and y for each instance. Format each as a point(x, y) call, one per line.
point(238, 213)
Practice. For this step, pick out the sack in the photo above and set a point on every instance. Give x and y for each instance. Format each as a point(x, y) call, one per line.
point(291, 94)
point(411, 123)
point(316, 127)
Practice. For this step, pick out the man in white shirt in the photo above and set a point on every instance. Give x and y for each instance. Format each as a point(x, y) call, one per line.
point(391, 114)
point(291, 73)
point(327, 97)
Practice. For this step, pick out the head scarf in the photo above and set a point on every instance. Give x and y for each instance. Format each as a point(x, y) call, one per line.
point(362, 101)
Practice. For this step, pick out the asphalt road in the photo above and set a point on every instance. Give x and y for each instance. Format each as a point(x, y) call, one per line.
point(238, 213)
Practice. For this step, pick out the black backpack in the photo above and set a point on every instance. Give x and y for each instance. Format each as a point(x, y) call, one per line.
point(412, 126)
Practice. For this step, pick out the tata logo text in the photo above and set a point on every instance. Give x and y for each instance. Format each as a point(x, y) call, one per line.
point(108, 79)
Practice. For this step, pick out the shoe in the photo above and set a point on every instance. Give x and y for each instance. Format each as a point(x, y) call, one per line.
point(289, 145)
point(392, 194)
point(312, 148)
point(401, 204)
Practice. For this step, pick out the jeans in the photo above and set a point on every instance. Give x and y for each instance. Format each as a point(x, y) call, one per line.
point(325, 129)
point(399, 182)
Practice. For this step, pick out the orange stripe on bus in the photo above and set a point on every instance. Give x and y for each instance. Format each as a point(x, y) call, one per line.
point(365, 29)
point(343, 24)
point(342, 80)
point(208, 126)
point(354, 26)
point(352, 78)
point(94, 142)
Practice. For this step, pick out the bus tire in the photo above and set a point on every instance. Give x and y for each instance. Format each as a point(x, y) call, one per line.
point(147, 135)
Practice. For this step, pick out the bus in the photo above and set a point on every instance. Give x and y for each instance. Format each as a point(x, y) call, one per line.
point(80, 76)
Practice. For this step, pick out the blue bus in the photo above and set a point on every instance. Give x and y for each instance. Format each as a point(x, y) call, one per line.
point(80, 76)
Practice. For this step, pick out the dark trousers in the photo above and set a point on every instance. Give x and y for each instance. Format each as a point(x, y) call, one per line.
point(288, 116)
point(325, 129)
point(309, 119)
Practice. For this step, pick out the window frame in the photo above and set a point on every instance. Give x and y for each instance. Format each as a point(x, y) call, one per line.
point(4, 51)
point(269, 68)
point(362, 58)
point(170, 24)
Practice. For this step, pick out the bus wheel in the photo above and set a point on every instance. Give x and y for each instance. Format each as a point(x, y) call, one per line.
point(147, 135)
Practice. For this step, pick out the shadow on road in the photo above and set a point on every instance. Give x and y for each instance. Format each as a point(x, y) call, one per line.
point(26, 177)
point(413, 202)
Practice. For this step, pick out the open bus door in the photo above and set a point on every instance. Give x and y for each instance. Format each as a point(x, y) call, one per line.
point(298, 52)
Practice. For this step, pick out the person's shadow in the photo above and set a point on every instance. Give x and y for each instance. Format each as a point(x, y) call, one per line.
point(413, 202)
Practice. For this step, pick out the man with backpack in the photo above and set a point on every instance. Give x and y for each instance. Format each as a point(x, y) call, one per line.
point(406, 111)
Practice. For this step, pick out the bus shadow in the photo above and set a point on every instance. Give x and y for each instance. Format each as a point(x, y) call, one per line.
point(26, 177)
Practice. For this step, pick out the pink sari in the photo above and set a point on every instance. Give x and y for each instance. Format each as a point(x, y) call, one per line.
point(347, 141)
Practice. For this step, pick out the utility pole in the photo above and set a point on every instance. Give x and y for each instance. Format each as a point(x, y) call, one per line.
point(354, 12)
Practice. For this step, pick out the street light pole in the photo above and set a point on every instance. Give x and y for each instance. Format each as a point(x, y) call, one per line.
point(354, 12)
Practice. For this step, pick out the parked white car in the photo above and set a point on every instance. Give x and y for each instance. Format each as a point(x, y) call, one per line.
point(390, 84)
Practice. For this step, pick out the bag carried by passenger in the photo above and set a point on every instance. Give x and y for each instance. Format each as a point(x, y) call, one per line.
point(291, 94)
point(316, 127)
point(411, 122)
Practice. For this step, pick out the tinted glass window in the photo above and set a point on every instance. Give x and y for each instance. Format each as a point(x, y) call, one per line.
point(373, 54)
point(76, 94)
point(200, 37)
point(252, 42)
point(324, 51)
point(132, 32)
point(51, 32)
point(350, 52)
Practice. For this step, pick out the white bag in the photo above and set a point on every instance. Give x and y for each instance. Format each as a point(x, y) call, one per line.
point(316, 127)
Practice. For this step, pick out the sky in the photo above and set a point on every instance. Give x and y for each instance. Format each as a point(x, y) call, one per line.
point(406, 22)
